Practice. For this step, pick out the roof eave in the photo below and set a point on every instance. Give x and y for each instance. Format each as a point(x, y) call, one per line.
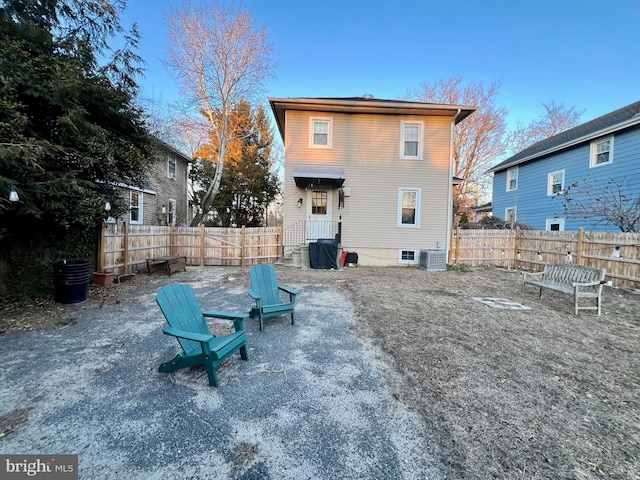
point(365, 106)
point(600, 133)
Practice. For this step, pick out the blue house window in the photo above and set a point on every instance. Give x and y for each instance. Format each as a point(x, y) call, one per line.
point(510, 215)
point(512, 179)
point(555, 183)
point(601, 152)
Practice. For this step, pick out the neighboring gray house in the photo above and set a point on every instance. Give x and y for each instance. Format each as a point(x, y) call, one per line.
point(528, 186)
point(381, 169)
point(165, 201)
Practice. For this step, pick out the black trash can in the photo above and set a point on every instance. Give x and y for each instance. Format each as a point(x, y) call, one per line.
point(70, 280)
point(323, 254)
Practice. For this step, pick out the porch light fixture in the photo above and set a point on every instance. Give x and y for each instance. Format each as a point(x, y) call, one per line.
point(164, 209)
point(299, 202)
point(107, 206)
point(13, 195)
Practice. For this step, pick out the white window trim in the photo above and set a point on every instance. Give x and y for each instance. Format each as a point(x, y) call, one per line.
point(550, 183)
point(418, 202)
point(551, 221)
point(416, 256)
point(593, 152)
point(329, 120)
point(509, 172)
point(506, 215)
point(403, 124)
point(175, 170)
point(140, 220)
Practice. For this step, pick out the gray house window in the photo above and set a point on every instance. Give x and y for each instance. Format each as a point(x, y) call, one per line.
point(135, 208)
point(171, 168)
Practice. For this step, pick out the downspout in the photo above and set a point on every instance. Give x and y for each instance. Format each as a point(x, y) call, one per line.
point(450, 189)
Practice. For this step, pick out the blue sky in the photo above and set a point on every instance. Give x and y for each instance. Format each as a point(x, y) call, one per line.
point(581, 53)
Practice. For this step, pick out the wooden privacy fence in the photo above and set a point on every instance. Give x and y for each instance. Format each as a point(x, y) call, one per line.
point(617, 253)
point(125, 248)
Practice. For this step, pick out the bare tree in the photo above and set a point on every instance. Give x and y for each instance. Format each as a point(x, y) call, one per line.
point(220, 57)
point(606, 201)
point(557, 118)
point(479, 139)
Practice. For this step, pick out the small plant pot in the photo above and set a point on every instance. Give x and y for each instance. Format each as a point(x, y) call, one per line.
point(103, 278)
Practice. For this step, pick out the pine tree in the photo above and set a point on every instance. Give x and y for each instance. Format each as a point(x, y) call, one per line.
point(248, 185)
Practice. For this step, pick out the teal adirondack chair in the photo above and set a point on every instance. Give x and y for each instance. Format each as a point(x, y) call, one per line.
point(187, 323)
point(266, 292)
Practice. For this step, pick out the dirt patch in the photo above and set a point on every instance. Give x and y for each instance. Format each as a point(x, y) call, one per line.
point(534, 394)
point(508, 394)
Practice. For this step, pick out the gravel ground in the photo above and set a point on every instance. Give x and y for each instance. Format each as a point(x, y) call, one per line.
point(502, 393)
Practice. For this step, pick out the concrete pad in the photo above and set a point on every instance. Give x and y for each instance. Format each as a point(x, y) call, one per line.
point(313, 401)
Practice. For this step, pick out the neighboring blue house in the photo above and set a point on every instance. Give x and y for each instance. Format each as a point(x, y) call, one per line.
point(527, 186)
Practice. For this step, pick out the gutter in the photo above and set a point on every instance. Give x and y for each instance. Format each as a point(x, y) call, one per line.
point(447, 241)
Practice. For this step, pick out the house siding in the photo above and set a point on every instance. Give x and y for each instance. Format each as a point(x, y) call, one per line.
point(534, 207)
point(161, 188)
point(167, 188)
point(367, 147)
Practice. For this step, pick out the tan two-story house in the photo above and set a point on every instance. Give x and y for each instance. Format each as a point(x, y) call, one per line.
point(378, 173)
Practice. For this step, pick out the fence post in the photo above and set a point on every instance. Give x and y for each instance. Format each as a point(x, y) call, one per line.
point(516, 248)
point(282, 240)
point(202, 236)
point(580, 245)
point(242, 246)
point(458, 245)
point(126, 247)
point(101, 244)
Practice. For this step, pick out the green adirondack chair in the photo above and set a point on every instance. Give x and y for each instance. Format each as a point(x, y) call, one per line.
point(187, 324)
point(266, 292)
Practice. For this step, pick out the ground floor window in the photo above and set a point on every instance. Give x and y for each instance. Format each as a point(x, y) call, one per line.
point(407, 256)
point(510, 215)
point(409, 207)
point(555, 224)
point(135, 208)
point(319, 202)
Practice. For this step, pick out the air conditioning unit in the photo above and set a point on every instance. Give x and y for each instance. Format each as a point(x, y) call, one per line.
point(433, 260)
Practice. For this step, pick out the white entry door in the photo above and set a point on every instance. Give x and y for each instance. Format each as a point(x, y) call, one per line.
point(318, 214)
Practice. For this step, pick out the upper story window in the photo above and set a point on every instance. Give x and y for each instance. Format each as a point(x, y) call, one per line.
point(601, 152)
point(411, 140)
point(512, 179)
point(135, 208)
point(555, 183)
point(171, 168)
point(321, 132)
point(409, 207)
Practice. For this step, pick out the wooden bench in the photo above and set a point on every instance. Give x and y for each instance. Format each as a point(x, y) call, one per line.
point(167, 264)
point(577, 280)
